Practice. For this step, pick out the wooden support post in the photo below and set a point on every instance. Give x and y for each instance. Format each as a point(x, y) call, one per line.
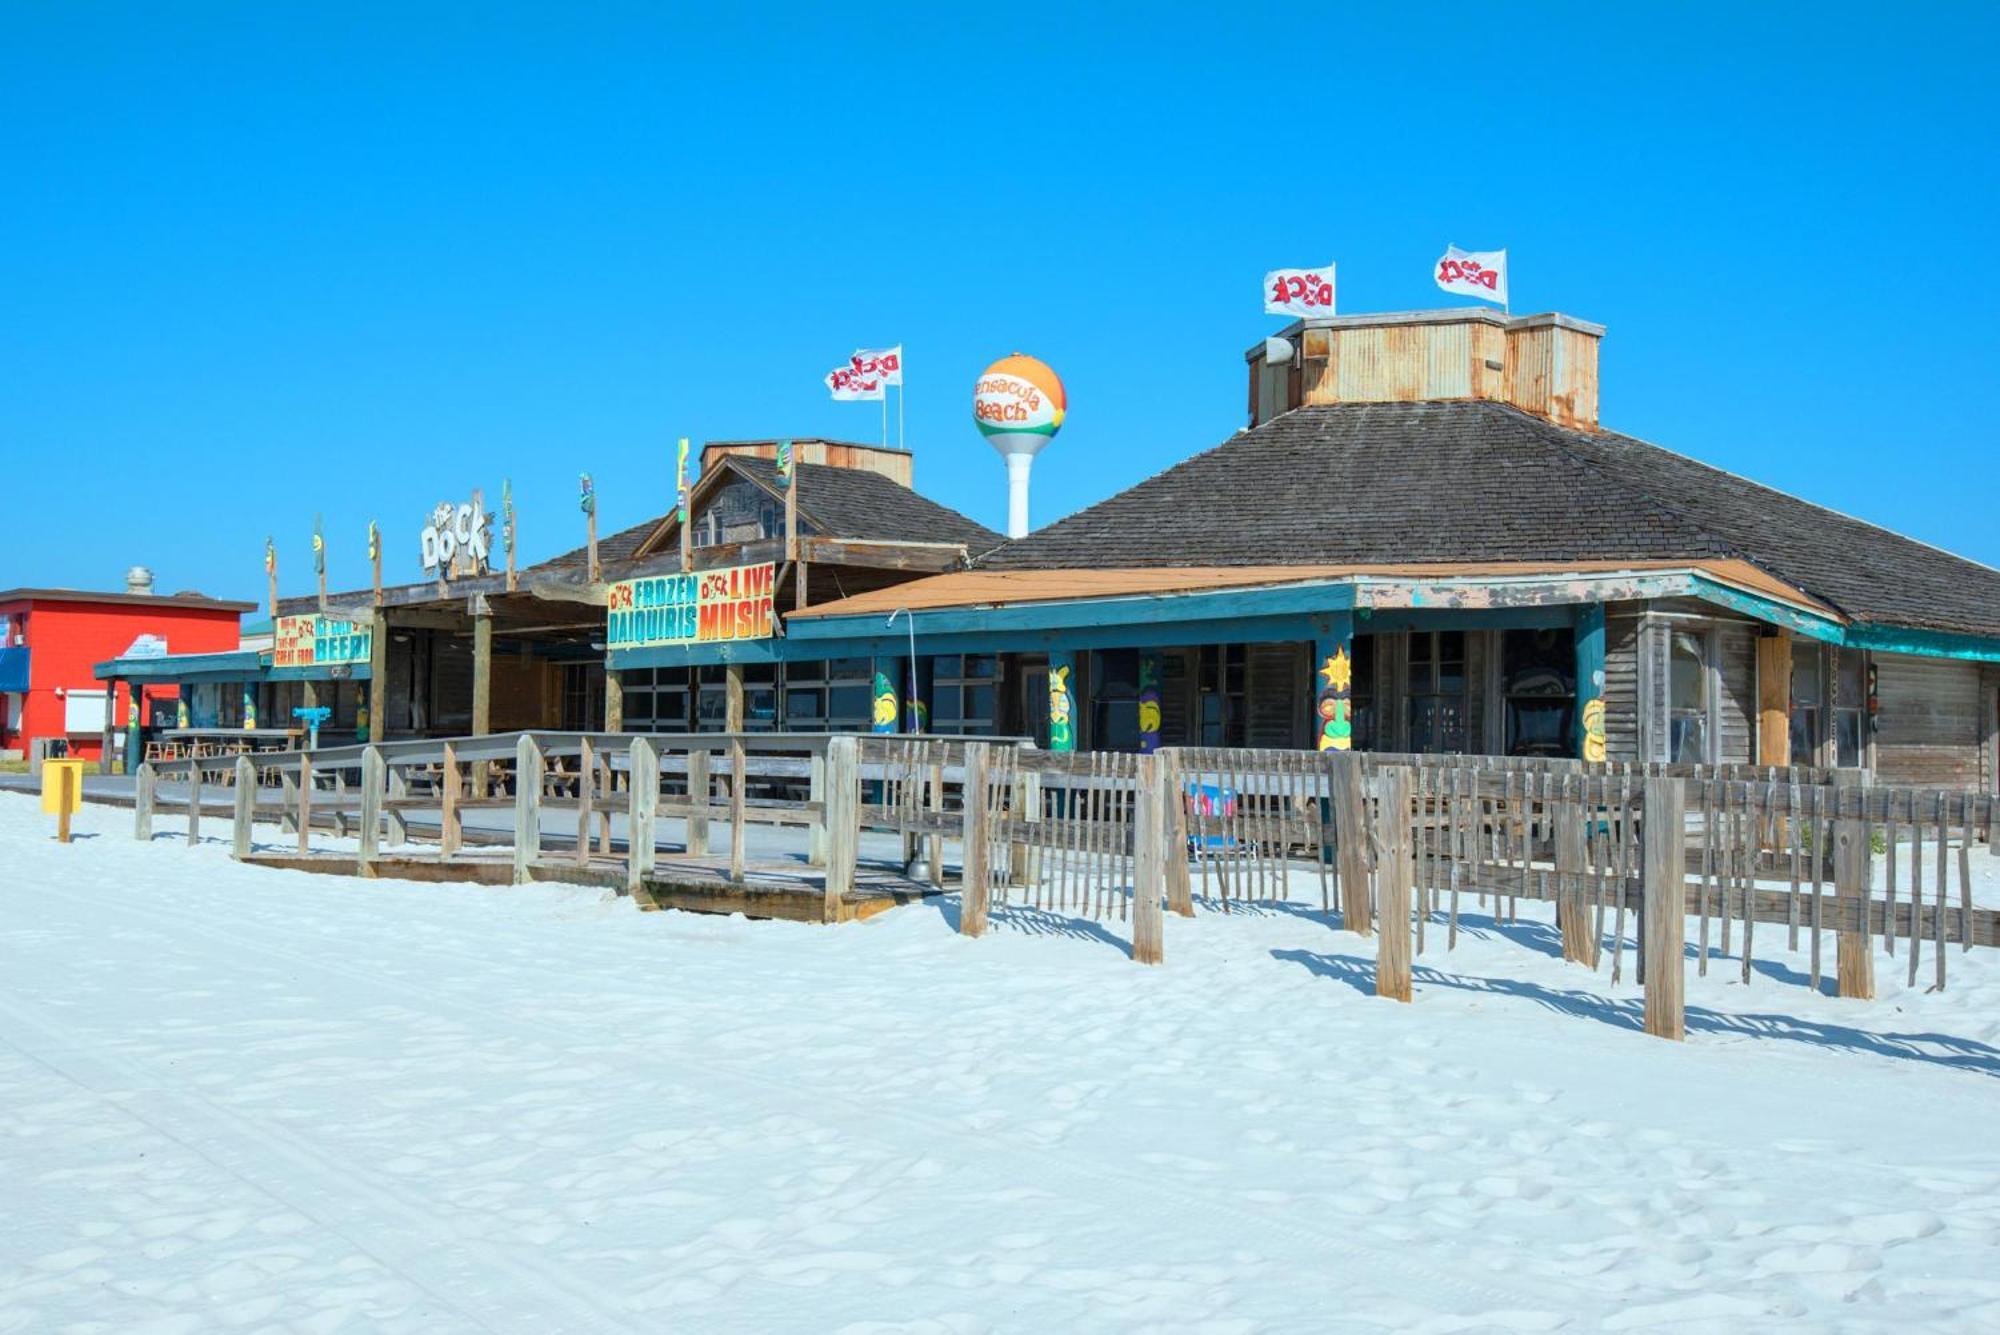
point(614, 700)
point(482, 674)
point(1851, 858)
point(1350, 823)
point(641, 816)
point(700, 790)
point(586, 786)
point(68, 781)
point(816, 827)
point(1180, 884)
point(972, 901)
point(1664, 868)
point(305, 802)
point(145, 792)
point(374, 779)
point(1573, 901)
point(1589, 739)
point(843, 820)
point(451, 833)
point(1394, 875)
point(288, 789)
point(1774, 699)
point(378, 675)
point(1024, 858)
point(738, 783)
point(527, 806)
point(246, 807)
point(1150, 828)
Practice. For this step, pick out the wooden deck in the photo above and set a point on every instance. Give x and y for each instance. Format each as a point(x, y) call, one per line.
point(789, 891)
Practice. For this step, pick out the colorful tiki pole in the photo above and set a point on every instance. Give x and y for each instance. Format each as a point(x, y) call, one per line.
point(1062, 700)
point(375, 557)
point(1149, 700)
point(587, 501)
point(319, 560)
point(1590, 681)
point(681, 506)
point(271, 576)
point(507, 529)
point(1333, 710)
point(885, 716)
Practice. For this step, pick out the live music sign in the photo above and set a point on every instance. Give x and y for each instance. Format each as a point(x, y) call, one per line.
point(701, 607)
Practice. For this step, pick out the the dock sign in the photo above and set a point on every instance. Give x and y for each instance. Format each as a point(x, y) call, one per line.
point(699, 607)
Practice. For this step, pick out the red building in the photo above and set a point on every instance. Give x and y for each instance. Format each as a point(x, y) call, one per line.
point(51, 638)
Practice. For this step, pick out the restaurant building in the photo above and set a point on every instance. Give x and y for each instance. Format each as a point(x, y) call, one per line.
point(1425, 541)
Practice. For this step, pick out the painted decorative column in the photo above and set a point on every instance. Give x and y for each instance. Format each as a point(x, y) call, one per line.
point(250, 704)
point(1149, 701)
point(133, 745)
point(181, 705)
point(1590, 682)
point(1062, 700)
point(886, 714)
point(1333, 676)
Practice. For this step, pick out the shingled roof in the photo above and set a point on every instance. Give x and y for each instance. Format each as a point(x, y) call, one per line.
point(857, 504)
point(1478, 481)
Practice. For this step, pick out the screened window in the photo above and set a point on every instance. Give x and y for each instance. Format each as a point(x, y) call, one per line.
point(965, 692)
point(1221, 699)
point(1114, 700)
point(1807, 704)
point(1687, 698)
point(1850, 703)
point(1363, 694)
point(1437, 691)
point(1538, 685)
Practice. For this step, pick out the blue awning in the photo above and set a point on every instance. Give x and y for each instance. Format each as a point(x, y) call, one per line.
point(14, 670)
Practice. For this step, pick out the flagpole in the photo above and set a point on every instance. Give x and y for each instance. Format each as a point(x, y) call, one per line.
point(902, 393)
point(885, 417)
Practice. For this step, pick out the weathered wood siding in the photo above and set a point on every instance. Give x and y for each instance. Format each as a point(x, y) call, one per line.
point(1929, 726)
point(1621, 686)
point(1736, 702)
point(1274, 681)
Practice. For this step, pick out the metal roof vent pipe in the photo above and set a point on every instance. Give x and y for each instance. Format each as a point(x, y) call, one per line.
point(139, 581)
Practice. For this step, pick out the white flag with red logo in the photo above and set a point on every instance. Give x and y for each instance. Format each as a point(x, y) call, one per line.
point(884, 364)
point(1299, 292)
point(1474, 273)
point(848, 384)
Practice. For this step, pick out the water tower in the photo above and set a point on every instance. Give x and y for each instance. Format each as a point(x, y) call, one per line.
point(1019, 405)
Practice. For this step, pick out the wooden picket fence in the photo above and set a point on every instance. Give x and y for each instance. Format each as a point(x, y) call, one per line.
point(1397, 847)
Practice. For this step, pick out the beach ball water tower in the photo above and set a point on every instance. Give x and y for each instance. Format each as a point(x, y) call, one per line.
point(1018, 404)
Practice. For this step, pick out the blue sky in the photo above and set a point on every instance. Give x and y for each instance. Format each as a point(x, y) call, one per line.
point(262, 261)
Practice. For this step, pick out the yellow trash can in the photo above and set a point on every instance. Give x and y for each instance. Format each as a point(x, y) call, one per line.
point(62, 792)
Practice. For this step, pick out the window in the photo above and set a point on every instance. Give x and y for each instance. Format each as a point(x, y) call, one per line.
point(965, 690)
point(1807, 704)
point(656, 700)
point(1687, 698)
point(760, 698)
point(583, 697)
point(1850, 702)
point(1538, 686)
point(739, 512)
point(1114, 700)
point(1221, 699)
point(1437, 691)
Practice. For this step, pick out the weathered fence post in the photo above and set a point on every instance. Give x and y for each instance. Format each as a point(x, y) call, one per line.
point(528, 774)
point(1150, 828)
point(1025, 857)
point(144, 793)
point(305, 802)
point(1394, 872)
point(288, 791)
point(398, 825)
point(373, 782)
point(972, 903)
point(843, 820)
point(1350, 823)
point(642, 814)
point(451, 781)
point(194, 800)
point(699, 790)
point(1174, 838)
point(738, 782)
point(246, 808)
point(1572, 860)
point(586, 785)
point(1851, 857)
point(1664, 868)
